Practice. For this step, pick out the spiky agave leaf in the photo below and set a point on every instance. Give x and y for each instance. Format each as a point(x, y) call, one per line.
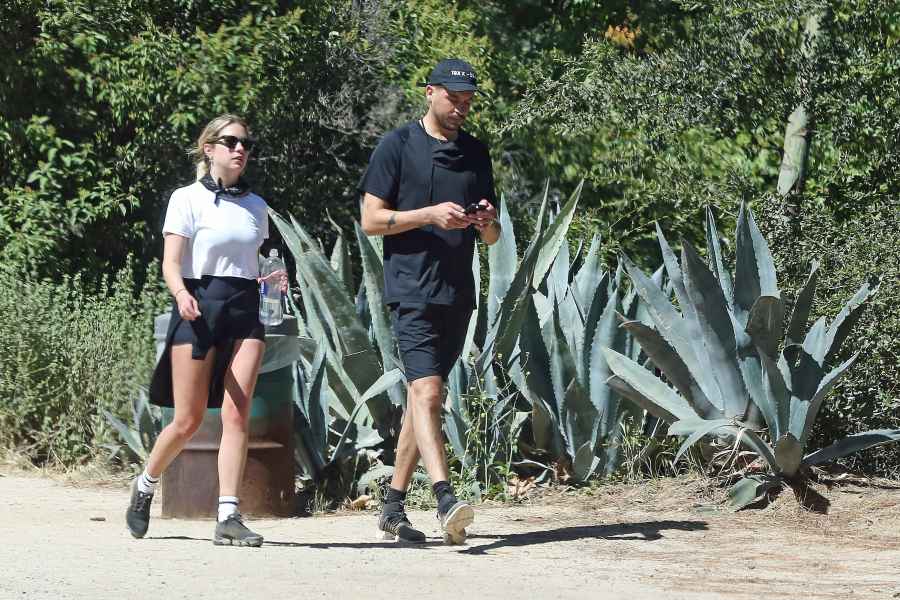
point(716, 261)
point(456, 423)
point(844, 322)
point(717, 332)
point(602, 397)
point(825, 385)
point(503, 332)
point(340, 257)
point(695, 430)
point(555, 236)
point(589, 278)
point(852, 443)
point(752, 489)
point(739, 431)
point(653, 395)
point(802, 307)
point(675, 330)
point(375, 390)
point(754, 267)
point(130, 436)
point(530, 372)
point(664, 357)
point(502, 261)
point(373, 279)
point(765, 324)
point(313, 434)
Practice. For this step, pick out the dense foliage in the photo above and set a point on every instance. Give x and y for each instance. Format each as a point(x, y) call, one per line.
point(665, 108)
point(101, 100)
point(70, 349)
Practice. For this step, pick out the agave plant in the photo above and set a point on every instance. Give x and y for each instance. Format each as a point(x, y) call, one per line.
point(329, 447)
point(727, 372)
point(547, 320)
point(349, 391)
point(481, 421)
point(146, 424)
point(332, 319)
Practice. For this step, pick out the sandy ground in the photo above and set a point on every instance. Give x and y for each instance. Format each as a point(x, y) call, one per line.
point(659, 540)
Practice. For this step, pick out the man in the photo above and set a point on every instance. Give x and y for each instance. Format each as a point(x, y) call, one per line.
point(428, 190)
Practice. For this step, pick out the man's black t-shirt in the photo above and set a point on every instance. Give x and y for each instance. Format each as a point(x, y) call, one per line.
point(410, 169)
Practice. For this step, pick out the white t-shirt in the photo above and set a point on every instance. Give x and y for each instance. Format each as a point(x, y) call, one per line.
point(223, 239)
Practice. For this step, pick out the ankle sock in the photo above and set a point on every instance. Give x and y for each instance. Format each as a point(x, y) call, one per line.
point(228, 505)
point(147, 483)
point(445, 496)
point(393, 500)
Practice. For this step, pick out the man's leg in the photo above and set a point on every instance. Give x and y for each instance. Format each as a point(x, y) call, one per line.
point(427, 401)
point(393, 523)
point(426, 363)
point(407, 456)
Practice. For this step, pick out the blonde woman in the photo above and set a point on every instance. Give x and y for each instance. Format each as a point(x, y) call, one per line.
point(213, 231)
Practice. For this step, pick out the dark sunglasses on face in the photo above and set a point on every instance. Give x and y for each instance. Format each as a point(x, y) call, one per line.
point(231, 142)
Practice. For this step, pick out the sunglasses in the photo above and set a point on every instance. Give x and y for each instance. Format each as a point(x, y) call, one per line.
point(231, 142)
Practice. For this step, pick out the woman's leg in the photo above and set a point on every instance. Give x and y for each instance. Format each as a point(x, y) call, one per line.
point(240, 380)
point(190, 387)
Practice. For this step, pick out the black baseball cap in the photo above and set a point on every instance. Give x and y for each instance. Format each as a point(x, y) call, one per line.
point(454, 74)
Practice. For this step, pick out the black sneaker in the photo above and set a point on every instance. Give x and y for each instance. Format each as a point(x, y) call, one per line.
point(395, 527)
point(137, 517)
point(454, 522)
point(233, 532)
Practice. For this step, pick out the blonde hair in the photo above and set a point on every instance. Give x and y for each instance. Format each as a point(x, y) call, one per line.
point(209, 135)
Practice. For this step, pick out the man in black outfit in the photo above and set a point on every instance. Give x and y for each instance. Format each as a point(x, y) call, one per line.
point(428, 189)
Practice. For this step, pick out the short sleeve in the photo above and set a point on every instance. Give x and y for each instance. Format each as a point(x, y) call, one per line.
point(179, 217)
point(264, 222)
point(382, 176)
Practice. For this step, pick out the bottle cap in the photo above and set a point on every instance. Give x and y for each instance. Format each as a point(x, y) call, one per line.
point(273, 253)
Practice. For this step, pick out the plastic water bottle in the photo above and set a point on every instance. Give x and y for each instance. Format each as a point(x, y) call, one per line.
point(270, 307)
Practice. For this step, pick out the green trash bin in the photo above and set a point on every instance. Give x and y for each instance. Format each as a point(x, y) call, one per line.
point(190, 486)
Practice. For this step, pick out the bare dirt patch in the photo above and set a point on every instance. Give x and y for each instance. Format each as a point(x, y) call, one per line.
point(668, 538)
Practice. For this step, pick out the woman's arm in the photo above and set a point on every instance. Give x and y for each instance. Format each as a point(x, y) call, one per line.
point(173, 248)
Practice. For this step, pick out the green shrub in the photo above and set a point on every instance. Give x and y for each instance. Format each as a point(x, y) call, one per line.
point(68, 349)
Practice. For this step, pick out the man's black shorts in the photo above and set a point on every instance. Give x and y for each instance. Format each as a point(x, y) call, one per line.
point(430, 337)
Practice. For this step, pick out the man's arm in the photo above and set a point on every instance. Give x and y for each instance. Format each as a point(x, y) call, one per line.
point(485, 222)
point(378, 218)
point(489, 233)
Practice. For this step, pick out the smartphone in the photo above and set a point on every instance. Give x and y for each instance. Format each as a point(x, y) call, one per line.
point(473, 208)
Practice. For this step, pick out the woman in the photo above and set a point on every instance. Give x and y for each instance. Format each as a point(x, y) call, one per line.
point(213, 231)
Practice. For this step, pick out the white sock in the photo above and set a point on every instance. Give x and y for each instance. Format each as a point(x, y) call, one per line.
point(228, 505)
point(147, 483)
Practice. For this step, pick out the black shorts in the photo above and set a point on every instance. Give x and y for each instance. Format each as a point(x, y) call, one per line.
point(430, 337)
point(240, 321)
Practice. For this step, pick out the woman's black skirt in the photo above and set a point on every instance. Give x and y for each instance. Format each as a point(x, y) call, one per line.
point(229, 308)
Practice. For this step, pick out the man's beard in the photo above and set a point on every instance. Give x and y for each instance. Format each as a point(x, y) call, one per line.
point(449, 125)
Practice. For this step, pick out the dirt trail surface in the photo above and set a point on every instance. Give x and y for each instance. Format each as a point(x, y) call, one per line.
point(65, 540)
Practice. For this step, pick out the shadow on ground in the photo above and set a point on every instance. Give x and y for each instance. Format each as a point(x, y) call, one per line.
point(645, 531)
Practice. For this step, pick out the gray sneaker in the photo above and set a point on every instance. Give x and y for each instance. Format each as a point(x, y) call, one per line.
point(233, 532)
point(455, 521)
point(395, 527)
point(137, 517)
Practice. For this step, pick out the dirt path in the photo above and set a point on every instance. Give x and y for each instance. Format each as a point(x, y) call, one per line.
point(65, 541)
